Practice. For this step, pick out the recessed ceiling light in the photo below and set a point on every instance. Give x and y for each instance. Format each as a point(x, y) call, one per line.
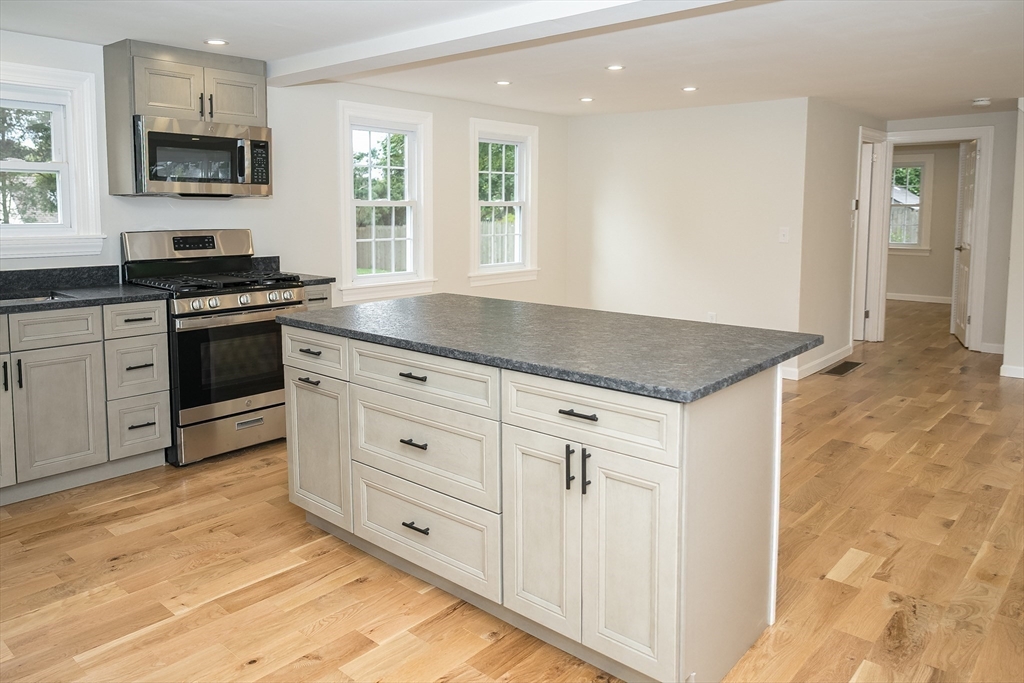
point(615, 67)
point(586, 99)
point(216, 41)
point(689, 88)
point(504, 82)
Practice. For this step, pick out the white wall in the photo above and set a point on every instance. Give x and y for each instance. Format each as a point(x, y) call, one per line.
point(677, 213)
point(1013, 346)
point(997, 262)
point(930, 277)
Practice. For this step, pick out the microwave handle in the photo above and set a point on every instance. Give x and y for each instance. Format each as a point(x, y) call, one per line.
point(244, 166)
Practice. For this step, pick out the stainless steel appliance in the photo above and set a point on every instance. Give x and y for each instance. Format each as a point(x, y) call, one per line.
point(227, 378)
point(200, 158)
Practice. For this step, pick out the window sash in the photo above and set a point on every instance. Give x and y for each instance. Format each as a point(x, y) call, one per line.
point(898, 208)
point(54, 102)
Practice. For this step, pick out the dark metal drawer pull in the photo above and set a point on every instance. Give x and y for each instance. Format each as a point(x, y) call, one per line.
point(410, 442)
point(317, 298)
point(409, 375)
point(139, 367)
point(573, 413)
point(138, 320)
point(568, 477)
point(311, 352)
point(21, 384)
point(586, 482)
point(5, 375)
point(140, 426)
point(412, 525)
point(314, 382)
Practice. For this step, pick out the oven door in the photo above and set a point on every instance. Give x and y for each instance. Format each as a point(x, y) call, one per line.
point(191, 157)
point(227, 364)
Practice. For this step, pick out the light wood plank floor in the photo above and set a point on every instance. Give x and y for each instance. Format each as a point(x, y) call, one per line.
point(900, 558)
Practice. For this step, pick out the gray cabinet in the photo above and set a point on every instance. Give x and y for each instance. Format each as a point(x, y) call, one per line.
point(60, 420)
point(7, 467)
point(237, 97)
point(318, 297)
point(168, 89)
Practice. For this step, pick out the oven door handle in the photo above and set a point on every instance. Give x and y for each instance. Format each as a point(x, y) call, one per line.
point(234, 318)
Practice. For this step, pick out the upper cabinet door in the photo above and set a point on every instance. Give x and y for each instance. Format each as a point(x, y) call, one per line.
point(168, 89)
point(237, 98)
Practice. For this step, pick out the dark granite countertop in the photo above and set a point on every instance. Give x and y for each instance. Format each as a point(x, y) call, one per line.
point(315, 279)
point(676, 360)
point(80, 297)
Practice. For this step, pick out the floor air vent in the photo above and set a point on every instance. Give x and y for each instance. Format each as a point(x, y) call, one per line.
point(842, 369)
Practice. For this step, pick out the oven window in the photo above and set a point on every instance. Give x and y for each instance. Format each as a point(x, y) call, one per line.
point(225, 363)
point(178, 158)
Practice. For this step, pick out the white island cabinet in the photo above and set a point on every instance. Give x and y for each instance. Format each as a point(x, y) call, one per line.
point(622, 508)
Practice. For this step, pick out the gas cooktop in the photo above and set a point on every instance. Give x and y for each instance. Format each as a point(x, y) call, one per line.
point(188, 285)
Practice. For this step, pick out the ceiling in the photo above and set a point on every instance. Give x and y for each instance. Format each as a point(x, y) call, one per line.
point(892, 59)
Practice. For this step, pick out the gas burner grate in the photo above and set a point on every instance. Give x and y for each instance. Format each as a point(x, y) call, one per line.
point(179, 284)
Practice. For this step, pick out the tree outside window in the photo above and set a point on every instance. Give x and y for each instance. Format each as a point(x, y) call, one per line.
point(31, 163)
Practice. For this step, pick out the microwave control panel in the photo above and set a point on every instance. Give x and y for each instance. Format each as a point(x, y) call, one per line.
point(260, 159)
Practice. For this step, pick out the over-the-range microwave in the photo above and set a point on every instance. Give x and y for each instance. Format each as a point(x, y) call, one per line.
point(198, 158)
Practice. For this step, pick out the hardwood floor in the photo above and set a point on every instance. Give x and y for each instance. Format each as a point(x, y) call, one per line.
point(900, 556)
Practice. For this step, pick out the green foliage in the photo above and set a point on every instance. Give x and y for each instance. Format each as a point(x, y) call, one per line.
point(909, 178)
point(26, 135)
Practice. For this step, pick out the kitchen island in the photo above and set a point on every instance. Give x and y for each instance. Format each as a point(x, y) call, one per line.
point(604, 481)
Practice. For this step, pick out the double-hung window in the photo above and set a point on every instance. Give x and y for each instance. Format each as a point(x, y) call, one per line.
point(504, 209)
point(386, 190)
point(48, 175)
point(910, 204)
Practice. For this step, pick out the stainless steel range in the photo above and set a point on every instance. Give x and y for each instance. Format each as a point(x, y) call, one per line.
point(227, 379)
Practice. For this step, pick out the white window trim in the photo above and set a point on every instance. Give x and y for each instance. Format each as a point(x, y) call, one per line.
point(528, 137)
point(421, 280)
point(84, 237)
point(927, 162)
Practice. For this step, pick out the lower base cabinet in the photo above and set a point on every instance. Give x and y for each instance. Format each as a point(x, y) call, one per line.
point(139, 424)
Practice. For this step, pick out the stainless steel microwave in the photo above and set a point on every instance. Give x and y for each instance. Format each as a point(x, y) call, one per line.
point(201, 159)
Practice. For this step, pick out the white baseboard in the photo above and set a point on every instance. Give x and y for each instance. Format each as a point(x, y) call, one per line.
point(986, 347)
point(802, 371)
point(920, 298)
point(1016, 371)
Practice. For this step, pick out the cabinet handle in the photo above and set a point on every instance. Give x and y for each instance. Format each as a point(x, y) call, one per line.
point(314, 382)
point(140, 426)
point(5, 376)
point(409, 375)
point(202, 110)
point(245, 424)
point(211, 106)
point(410, 442)
point(586, 482)
point(139, 367)
point(568, 478)
point(572, 413)
point(311, 352)
point(21, 385)
point(138, 320)
point(318, 298)
point(412, 525)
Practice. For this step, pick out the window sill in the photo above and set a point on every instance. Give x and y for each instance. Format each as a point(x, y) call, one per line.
point(502, 277)
point(48, 247)
point(909, 251)
point(386, 290)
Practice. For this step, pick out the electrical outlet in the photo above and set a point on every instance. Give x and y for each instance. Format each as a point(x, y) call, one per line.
point(784, 235)
point(712, 317)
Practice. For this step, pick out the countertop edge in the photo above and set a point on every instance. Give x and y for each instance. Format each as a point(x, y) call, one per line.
point(82, 302)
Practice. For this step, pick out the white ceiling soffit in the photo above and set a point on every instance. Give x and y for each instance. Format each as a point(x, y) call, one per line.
point(501, 28)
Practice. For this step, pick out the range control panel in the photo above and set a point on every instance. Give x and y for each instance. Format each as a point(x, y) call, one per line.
point(260, 160)
point(193, 243)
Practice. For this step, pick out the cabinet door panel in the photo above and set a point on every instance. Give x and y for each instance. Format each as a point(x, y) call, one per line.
point(60, 417)
point(541, 537)
point(319, 477)
point(7, 476)
point(630, 551)
point(237, 97)
point(167, 89)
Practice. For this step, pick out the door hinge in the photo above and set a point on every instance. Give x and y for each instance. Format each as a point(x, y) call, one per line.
point(867, 314)
point(856, 204)
point(874, 157)
point(968, 320)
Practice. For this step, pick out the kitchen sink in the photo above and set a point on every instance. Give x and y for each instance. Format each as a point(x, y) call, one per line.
point(33, 297)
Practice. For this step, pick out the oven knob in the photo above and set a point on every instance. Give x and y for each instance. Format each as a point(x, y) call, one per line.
point(244, 299)
point(214, 302)
point(197, 304)
point(289, 295)
point(274, 296)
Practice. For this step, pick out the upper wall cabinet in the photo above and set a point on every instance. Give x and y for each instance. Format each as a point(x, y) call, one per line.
point(186, 91)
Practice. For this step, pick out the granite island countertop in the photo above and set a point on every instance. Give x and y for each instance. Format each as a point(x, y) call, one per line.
point(675, 360)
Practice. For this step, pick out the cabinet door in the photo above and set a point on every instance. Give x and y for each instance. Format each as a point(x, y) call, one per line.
point(60, 416)
point(319, 476)
point(7, 476)
point(237, 97)
point(168, 89)
point(541, 530)
point(630, 561)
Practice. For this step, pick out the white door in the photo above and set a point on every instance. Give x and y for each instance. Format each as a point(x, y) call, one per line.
point(541, 529)
point(965, 232)
point(7, 476)
point(863, 218)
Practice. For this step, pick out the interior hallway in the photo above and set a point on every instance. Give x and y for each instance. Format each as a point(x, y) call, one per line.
point(901, 546)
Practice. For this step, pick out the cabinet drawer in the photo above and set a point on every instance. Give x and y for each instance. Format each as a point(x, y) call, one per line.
point(315, 351)
point(318, 297)
point(43, 329)
point(456, 384)
point(458, 541)
point(139, 424)
point(134, 319)
point(136, 366)
point(440, 448)
point(641, 426)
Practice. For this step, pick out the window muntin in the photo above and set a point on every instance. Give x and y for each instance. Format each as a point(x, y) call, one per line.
point(35, 176)
point(906, 203)
point(500, 195)
point(381, 201)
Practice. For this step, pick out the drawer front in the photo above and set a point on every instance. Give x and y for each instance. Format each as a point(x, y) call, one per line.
point(136, 366)
point(446, 382)
point(5, 339)
point(315, 351)
point(43, 329)
point(461, 543)
point(318, 297)
point(140, 424)
point(135, 319)
point(440, 448)
point(644, 427)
